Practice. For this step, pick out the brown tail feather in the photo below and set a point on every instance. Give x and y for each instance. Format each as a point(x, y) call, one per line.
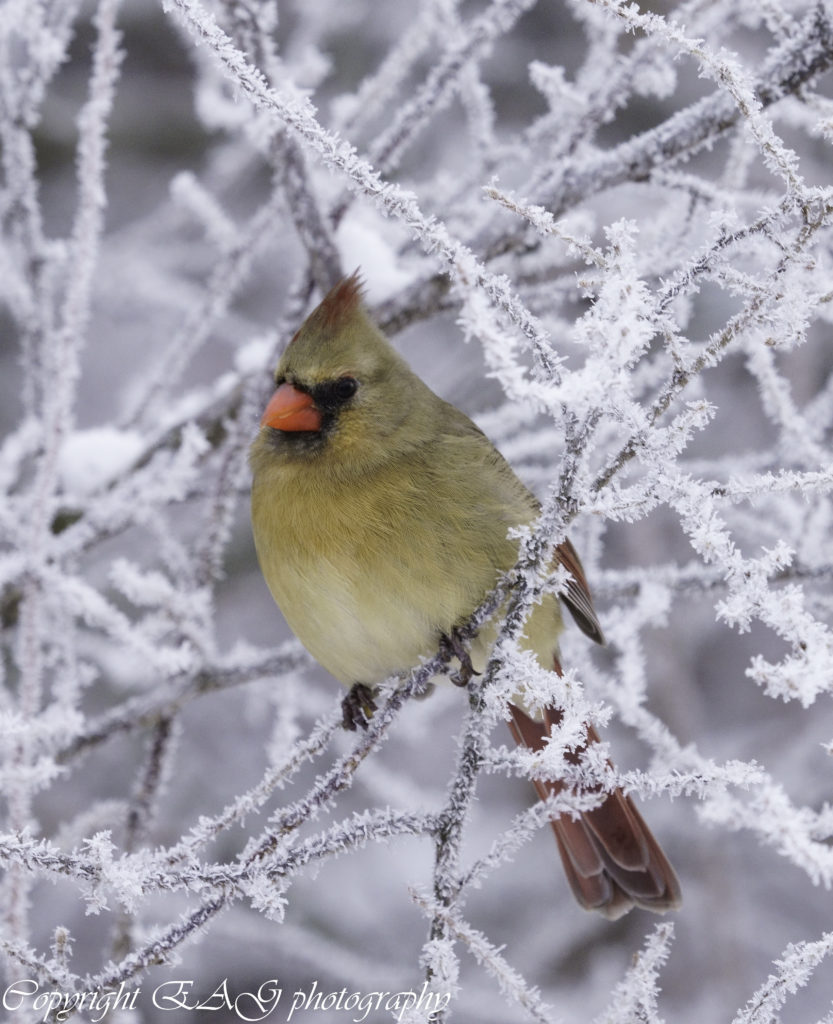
point(611, 859)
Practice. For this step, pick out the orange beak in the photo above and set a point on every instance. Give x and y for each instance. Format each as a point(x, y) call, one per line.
point(291, 409)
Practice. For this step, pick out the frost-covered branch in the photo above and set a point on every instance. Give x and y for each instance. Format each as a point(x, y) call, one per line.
point(511, 983)
point(795, 969)
point(635, 997)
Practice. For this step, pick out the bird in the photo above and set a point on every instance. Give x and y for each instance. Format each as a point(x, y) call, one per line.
point(382, 516)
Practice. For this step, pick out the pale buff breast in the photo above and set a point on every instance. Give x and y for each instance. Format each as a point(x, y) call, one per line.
point(369, 589)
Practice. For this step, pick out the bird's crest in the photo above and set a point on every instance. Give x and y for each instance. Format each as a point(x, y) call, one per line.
point(341, 301)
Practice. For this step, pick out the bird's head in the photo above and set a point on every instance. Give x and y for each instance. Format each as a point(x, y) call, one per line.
point(342, 392)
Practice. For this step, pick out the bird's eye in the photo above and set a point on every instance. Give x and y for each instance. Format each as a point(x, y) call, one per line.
point(330, 395)
point(344, 388)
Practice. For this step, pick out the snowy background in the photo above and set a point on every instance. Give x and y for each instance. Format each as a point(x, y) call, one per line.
point(602, 231)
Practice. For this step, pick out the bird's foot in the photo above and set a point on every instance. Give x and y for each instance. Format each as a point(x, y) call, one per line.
point(452, 645)
point(357, 707)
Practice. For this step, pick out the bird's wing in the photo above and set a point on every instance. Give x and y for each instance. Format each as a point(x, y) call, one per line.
point(468, 441)
point(577, 598)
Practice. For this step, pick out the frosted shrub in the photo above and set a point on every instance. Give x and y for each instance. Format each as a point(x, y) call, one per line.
point(626, 216)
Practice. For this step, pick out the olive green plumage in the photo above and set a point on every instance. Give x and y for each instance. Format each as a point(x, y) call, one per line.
point(390, 529)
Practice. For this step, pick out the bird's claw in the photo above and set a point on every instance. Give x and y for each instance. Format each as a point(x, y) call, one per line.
point(357, 707)
point(452, 645)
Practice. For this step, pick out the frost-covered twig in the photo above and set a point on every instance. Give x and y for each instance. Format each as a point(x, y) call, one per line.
point(512, 984)
point(472, 42)
point(795, 969)
point(635, 997)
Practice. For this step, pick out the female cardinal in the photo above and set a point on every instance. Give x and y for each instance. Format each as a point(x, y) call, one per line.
point(381, 517)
